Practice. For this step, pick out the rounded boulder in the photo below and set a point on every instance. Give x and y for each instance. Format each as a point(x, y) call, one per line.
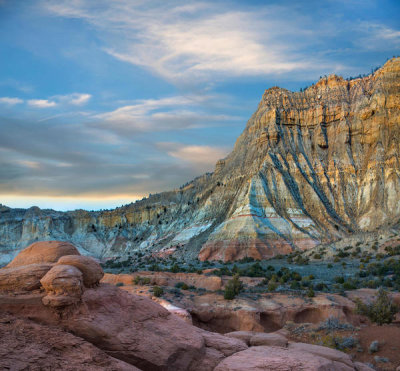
point(43, 252)
point(63, 285)
point(92, 272)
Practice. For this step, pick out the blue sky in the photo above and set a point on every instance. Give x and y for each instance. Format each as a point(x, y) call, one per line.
point(103, 102)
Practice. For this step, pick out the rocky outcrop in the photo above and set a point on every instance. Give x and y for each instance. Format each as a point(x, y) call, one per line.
point(310, 166)
point(212, 283)
point(279, 359)
point(92, 272)
point(43, 252)
point(26, 345)
point(261, 312)
point(67, 325)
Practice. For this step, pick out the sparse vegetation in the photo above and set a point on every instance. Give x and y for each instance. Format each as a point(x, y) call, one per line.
point(380, 311)
point(233, 288)
point(158, 291)
point(138, 280)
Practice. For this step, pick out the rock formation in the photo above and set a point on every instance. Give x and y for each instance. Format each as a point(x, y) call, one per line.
point(65, 324)
point(310, 166)
point(262, 312)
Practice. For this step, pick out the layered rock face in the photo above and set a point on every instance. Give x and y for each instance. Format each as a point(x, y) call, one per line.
point(310, 166)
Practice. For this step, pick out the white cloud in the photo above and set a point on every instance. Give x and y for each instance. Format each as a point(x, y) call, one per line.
point(379, 37)
point(170, 113)
point(10, 101)
point(41, 103)
point(198, 40)
point(29, 164)
point(203, 157)
point(75, 99)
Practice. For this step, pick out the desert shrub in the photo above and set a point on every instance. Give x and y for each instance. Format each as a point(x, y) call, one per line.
point(395, 250)
point(349, 285)
point(255, 270)
point(223, 271)
point(176, 268)
point(155, 268)
point(295, 285)
point(272, 286)
point(158, 291)
point(138, 280)
point(233, 288)
point(119, 284)
point(342, 254)
point(246, 260)
point(320, 286)
point(310, 292)
point(301, 260)
point(338, 342)
point(380, 311)
point(317, 256)
point(333, 323)
point(339, 279)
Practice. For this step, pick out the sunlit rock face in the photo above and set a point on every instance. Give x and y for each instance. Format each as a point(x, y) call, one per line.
point(310, 166)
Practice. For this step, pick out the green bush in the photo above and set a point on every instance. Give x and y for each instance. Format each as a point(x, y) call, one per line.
point(181, 285)
point(381, 311)
point(141, 280)
point(272, 286)
point(233, 288)
point(310, 292)
point(158, 291)
point(339, 279)
point(119, 284)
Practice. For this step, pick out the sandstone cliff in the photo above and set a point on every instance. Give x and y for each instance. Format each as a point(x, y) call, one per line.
point(310, 166)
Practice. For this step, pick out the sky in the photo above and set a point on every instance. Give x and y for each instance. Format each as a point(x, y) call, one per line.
point(103, 102)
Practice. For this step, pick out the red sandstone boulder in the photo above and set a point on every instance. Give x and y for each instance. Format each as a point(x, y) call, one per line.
point(63, 284)
point(136, 330)
point(92, 272)
point(279, 359)
point(268, 339)
point(227, 346)
point(242, 335)
point(210, 360)
point(328, 353)
point(25, 345)
point(43, 252)
point(23, 278)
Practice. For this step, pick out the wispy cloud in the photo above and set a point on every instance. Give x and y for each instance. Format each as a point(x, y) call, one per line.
point(378, 36)
point(199, 40)
point(41, 103)
point(75, 99)
point(165, 114)
point(10, 101)
point(203, 157)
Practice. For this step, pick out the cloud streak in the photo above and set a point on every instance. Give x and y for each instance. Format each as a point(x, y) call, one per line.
point(165, 114)
point(10, 101)
point(41, 103)
point(202, 157)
